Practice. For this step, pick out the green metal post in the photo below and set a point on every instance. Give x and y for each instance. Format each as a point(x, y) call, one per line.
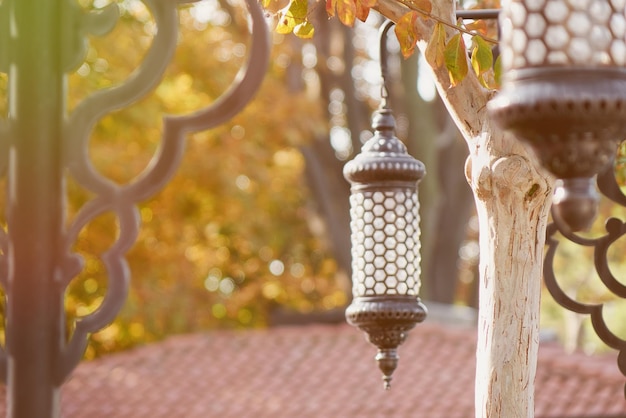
point(34, 207)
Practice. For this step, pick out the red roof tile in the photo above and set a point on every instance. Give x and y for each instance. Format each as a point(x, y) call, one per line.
point(322, 371)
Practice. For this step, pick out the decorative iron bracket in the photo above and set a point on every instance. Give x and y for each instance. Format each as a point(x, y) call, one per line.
point(615, 229)
point(122, 199)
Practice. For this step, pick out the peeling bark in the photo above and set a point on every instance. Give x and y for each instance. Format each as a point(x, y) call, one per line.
point(512, 231)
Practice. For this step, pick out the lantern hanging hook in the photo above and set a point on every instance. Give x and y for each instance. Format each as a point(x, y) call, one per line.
point(384, 56)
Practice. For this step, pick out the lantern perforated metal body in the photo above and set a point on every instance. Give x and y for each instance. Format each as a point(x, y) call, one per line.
point(564, 91)
point(385, 241)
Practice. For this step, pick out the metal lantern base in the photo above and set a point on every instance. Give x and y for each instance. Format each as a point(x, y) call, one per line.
point(573, 119)
point(575, 202)
point(386, 321)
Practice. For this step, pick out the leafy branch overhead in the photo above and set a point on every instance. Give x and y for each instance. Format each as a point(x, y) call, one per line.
point(442, 50)
point(451, 52)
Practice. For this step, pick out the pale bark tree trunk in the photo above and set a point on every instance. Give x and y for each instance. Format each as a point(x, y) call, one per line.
point(512, 201)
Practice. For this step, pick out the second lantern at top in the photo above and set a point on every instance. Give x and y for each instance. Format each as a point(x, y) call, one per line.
point(564, 92)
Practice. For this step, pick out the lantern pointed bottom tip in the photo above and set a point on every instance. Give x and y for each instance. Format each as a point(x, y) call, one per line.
point(387, 362)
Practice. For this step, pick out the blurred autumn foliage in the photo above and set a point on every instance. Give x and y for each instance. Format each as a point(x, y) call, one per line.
point(232, 235)
point(246, 225)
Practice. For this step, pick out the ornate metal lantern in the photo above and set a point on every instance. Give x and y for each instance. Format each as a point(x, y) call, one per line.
point(564, 91)
point(385, 238)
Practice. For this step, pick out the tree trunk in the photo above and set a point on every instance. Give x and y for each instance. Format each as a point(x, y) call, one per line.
point(512, 216)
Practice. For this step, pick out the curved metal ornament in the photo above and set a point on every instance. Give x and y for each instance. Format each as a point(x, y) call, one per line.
point(121, 200)
point(615, 229)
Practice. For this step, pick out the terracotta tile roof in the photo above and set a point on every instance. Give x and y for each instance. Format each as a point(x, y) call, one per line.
point(322, 371)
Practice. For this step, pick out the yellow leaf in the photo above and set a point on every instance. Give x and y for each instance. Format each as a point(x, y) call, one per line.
point(406, 32)
point(272, 6)
point(346, 11)
point(436, 46)
point(291, 15)
point(285, 24)
point(304, 30)
point(298, 9)
point(456, 59)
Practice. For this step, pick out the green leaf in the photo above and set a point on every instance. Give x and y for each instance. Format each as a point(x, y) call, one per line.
point(304, 30)
point(406, 32)
point(497, 72)
point(482, 56)
point(436, 47)
point(456, 59)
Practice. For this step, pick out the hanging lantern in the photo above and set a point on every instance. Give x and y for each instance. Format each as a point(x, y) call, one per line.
point(564, 91)
point(385, 239)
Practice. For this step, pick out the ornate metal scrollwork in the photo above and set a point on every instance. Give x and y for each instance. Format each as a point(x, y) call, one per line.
point(121, 200)
point(615, 229)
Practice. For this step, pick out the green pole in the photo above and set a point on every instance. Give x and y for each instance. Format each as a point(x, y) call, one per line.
point(34, 206)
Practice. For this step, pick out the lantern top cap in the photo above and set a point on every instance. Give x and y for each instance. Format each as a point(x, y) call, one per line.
point(383, 120)
point(383, 157)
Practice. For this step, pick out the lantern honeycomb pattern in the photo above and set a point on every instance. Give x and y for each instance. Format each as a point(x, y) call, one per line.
point(385, 237)
point(556, 32)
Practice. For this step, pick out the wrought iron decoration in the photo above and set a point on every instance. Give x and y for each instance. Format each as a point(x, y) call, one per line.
point(615, 229)
point(563, 91)
point(41, 41)
point(385, 236)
